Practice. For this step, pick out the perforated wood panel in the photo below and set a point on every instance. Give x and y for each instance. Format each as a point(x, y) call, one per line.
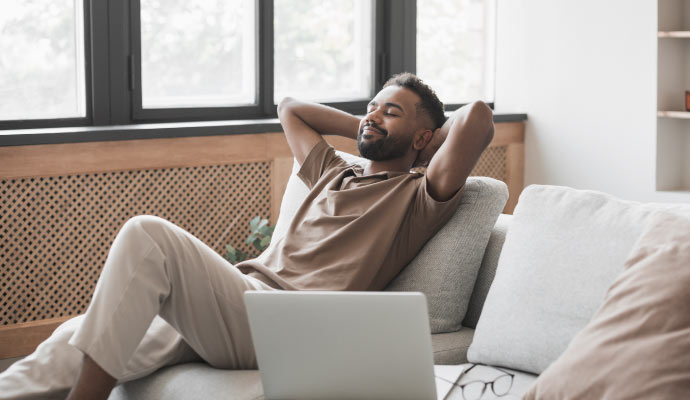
point(492, 163)
point(55, 232)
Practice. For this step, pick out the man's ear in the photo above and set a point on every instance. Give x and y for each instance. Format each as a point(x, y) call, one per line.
point(429, 148)
point(423, 138)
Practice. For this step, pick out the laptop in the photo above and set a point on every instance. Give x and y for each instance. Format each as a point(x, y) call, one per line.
point(342, 345)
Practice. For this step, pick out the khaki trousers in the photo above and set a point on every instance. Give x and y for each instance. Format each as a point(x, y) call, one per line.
point(163, 298)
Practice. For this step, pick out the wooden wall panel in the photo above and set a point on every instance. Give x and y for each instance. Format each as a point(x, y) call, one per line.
point(506, 133)
point(22, 339)
point(492, 163)
point(515, 174)
point(282, 169)
point(57, 230)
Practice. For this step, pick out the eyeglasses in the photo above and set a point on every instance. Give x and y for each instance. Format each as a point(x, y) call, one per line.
point(474, 390)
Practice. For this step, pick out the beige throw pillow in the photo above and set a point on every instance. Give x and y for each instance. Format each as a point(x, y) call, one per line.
point(637, 345)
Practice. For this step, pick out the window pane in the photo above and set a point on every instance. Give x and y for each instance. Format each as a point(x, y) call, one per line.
point(323, 49)
point(456, 47)
point(41, 59)
point(198, 53)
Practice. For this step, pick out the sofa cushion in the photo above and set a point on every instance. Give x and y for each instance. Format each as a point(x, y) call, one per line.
point(446, 268)
point(192, 381)
point(643, 328)
point(201, 381)
point(451, 348)
point(563, 250)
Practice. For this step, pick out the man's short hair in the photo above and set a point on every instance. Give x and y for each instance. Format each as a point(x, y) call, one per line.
point(429, 104)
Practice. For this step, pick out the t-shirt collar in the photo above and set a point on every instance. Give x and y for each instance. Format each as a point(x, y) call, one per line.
point(359, 172)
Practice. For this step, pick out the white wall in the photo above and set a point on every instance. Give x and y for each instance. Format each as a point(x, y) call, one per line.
point(584, 71)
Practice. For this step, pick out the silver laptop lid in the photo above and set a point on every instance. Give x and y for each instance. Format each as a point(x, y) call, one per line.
point(342, 345)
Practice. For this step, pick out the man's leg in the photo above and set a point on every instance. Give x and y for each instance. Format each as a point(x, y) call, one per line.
point(93, 382)
point(51, 370)
point(54, 366)
point(155, 267)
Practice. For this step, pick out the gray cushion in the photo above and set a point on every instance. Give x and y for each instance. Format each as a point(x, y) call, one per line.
point(446, 268)
point(193, 381)
point(451, 348)
point(563, 250)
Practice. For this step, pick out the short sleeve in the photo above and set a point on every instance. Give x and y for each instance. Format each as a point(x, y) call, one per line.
point(431, 213)
point(321, 158)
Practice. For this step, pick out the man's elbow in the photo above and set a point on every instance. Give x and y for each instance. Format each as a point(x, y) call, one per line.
point(284, 104)
point(483, 116)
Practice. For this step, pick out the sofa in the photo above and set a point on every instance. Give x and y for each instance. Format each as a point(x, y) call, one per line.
point(200, 381)
point(527, 284)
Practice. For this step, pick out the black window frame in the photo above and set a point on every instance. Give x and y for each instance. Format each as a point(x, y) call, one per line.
point(113, 69)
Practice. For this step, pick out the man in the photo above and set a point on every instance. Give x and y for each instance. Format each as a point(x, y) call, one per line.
point(164, 297)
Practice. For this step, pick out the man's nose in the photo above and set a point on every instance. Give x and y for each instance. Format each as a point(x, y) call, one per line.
point(374, 116)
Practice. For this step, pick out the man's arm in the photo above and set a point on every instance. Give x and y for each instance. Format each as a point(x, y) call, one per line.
point(304, 123)
point(462, 139)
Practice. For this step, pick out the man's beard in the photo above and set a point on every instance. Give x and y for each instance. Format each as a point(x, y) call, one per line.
point(386, 148)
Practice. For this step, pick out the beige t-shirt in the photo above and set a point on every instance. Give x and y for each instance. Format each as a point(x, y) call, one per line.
point(352, 232)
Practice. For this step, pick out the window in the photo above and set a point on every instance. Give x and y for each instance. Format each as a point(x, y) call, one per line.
point(323, 49)
point(198, 53)
point(76, 62)
point(455, 48)
point(42, 59)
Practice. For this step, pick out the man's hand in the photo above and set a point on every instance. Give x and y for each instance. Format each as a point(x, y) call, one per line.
point(304, 123)
point(455, 148)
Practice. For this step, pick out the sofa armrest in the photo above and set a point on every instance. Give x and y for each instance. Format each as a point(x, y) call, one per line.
point(487, 271)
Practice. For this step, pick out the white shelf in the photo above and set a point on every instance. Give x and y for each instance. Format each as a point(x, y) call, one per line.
point(674, 114)
point(679, 191)
point(674, 34)
point(673, 79)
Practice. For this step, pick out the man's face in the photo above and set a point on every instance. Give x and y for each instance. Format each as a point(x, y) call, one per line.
point(387, 130)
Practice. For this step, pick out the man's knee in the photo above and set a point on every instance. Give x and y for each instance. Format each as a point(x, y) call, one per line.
point(147, 224)
point(144, 221)
point(65, 330)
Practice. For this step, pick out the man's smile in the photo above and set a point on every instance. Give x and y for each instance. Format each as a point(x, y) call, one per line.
point(369, 133)
point(371, 129)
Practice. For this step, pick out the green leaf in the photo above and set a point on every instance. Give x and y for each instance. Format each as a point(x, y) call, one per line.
point(254, 223)
point(257, 244)
point(259, 239)
point(263, 223)
point(231, 254)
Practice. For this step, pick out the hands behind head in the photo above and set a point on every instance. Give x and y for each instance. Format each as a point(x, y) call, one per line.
point(425, 155)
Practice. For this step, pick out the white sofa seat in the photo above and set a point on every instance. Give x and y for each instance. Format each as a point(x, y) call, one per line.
point(197, 381)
